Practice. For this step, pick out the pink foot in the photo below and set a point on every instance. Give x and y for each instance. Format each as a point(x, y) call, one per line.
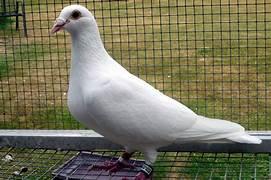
point(117, 166)
point(112, 167)
point(142, 176)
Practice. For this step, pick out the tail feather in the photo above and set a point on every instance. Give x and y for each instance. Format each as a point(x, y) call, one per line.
point(206, 129)
point(243, 137)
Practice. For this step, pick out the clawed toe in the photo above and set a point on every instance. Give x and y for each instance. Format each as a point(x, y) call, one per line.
point(113, 167)
point(142, 176)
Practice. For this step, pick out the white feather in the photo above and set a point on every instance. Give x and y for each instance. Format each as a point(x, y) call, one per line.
point(127, 110)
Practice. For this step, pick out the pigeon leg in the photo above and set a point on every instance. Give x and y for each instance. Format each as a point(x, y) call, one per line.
point(147, 169)
point(122, 162)
point(145, 172)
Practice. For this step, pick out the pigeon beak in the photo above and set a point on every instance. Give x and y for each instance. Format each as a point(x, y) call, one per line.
point(59, 24)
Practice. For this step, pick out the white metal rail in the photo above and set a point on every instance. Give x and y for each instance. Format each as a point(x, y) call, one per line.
point(90, 140)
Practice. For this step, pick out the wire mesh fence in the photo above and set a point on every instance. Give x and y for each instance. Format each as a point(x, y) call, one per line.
point(41, 163)
point(213, 56)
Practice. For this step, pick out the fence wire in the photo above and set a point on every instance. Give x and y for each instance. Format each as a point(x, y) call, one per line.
point(41, 163)
point(213, 56)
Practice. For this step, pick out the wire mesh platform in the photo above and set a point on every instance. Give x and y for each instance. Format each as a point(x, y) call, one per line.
point(40, 164)
point(89, 166)
point(48, 152)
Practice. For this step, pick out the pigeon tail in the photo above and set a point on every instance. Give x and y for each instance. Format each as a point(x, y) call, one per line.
point(243, 137)
point(207, 129)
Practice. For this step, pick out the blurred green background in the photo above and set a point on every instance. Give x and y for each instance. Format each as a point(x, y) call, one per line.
point(213, 56)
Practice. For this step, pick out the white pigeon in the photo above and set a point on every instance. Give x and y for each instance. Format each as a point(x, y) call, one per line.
point(125, 109)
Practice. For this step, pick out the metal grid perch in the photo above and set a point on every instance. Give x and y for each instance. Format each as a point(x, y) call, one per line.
point(42, 154)
point(40, 164)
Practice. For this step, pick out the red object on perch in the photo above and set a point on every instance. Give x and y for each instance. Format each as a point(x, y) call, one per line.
point(84, 166)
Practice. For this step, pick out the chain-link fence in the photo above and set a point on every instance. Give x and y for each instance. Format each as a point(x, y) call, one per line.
point(214, 56)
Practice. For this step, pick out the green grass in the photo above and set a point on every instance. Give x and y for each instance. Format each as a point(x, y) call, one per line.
point(53, 118)
point(43, 118)
point(39, 163)
point(22, 55)
point(5, 23)
point(4, 68)
point(217, 68)
point(162, 166)
point(229, 166)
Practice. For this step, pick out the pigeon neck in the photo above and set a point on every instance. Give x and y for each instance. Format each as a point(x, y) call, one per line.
point(87, 45)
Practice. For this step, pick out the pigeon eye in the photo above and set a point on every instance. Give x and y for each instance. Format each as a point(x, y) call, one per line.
point(76, 14)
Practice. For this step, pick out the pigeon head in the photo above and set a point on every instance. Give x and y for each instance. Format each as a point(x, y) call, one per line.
point(73, 18)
